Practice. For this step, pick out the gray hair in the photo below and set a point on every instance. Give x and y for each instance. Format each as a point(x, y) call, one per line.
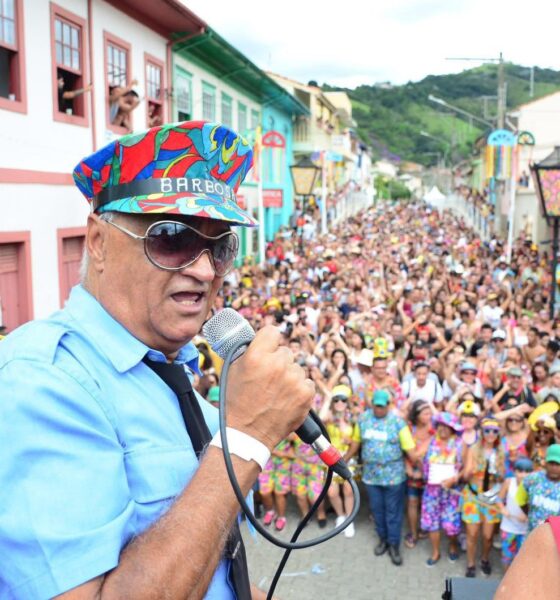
point(108, 217)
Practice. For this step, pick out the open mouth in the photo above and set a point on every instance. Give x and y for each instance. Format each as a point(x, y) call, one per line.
point(188, 298)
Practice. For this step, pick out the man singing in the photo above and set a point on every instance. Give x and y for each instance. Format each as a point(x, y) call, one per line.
point(109, 485)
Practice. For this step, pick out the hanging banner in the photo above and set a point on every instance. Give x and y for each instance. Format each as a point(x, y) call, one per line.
point(499, 148)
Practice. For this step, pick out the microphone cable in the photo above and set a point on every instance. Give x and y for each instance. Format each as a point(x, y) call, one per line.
point(293, 544)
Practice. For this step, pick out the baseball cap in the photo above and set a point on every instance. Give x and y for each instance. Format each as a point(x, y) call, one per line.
point(468, 366)
point(191, 168)
point(515, 372)
point(381, 398)
point(553, 453)
point(499, 334)
point(523, 464)
point(213, 395)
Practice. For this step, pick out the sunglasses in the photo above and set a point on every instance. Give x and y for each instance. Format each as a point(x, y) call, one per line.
point(340, 400)
point(544, 432)
point(172, 246)
point(488, 430)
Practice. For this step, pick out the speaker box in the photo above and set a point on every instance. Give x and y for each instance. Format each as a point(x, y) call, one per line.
point(466, 588)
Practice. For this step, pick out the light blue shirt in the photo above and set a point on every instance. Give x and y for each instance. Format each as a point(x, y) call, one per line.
point(93, 449)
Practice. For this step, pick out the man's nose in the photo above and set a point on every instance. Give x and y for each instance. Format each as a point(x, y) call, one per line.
point(202, 268)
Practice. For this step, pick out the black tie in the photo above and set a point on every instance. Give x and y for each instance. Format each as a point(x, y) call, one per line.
point(175, 377)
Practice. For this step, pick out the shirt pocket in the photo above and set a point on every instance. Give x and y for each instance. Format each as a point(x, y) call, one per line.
point(159, 474)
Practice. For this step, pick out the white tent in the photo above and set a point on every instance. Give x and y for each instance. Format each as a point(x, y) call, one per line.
point(434, 196)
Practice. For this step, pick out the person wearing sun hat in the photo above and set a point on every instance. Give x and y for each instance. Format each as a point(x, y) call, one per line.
point(544, 430)
point(90, 398)
point(385, 439)
point(445, 465)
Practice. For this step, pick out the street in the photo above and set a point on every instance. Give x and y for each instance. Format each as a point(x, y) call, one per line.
point(342, 568)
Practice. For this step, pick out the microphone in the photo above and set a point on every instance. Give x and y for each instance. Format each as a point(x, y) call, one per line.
point(228, 328)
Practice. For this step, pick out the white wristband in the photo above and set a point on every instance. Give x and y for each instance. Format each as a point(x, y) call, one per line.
point(244, 446)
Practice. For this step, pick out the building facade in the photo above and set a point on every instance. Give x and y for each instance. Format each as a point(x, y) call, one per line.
point(63, 66)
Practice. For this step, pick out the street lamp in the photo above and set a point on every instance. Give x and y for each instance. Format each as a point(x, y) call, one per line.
point(459, 110)
point(304, 174)
point(546, 175)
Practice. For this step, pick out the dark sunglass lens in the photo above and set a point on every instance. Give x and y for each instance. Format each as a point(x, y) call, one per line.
point(224, 251)
point(172, 245)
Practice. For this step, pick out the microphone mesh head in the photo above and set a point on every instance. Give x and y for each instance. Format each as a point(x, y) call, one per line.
point(225, 329)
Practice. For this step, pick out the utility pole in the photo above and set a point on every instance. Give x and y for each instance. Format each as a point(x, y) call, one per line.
point(501, 93)
point(532, 83)
point(501, 84)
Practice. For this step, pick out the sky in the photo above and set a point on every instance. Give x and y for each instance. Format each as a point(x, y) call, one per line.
point(352, 42)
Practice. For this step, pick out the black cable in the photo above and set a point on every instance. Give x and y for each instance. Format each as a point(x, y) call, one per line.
point(292, 544)
point(311, 511)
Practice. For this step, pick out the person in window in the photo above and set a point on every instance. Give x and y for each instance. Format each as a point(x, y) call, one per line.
point(66, 97)
point(153, 117)
point(122, 101)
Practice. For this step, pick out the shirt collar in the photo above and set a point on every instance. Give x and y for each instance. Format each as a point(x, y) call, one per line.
point(121, 348)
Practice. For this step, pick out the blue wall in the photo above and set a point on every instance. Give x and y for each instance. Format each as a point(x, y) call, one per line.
point(274, 119)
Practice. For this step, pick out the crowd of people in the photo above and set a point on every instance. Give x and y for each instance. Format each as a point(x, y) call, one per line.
point(437, 374)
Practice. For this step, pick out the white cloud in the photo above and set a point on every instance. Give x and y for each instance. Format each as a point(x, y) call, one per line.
point(354, 42)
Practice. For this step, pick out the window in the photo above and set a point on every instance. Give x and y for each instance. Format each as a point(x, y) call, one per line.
point(117, 65)
point(12, 68)
point(183, 95)
point(255, 119)
point(121, 97)
point(8, 22)
point(154, 91)
point(15, 279)
point(241, 118)
point(227, 111)
point(70, 95)
point(70, 251)
point(208, 102)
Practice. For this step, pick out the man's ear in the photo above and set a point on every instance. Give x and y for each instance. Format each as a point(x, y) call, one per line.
point(96, 241)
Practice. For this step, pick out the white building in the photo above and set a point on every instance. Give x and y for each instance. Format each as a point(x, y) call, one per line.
point(43, 135)
point(540, 118)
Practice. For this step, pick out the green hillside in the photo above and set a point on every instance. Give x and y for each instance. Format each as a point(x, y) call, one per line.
point(390, 119)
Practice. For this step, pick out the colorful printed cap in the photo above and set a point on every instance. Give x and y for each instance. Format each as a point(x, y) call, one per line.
point(449, 419)
point(192, 168)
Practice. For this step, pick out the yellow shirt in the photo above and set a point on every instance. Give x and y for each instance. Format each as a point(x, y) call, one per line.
point(341, 438)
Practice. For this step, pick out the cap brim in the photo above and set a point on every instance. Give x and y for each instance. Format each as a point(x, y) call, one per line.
point(199, 205)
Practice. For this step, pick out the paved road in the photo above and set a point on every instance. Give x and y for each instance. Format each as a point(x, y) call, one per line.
point(348, 568)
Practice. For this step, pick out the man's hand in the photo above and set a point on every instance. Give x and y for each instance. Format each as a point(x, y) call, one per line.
point(268, 393)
